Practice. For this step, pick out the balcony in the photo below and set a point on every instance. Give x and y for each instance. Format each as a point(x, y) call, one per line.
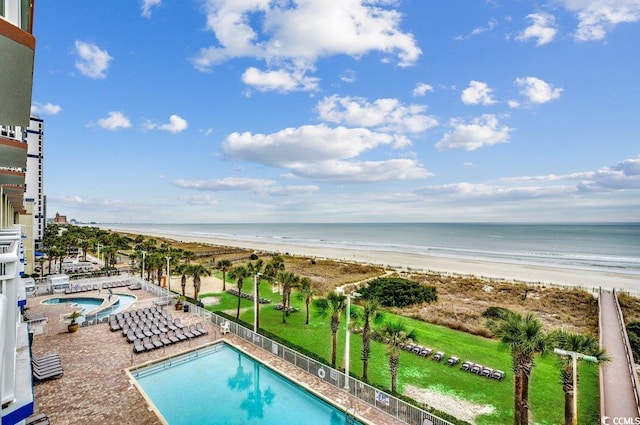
point(17, 48)
point(13, 153)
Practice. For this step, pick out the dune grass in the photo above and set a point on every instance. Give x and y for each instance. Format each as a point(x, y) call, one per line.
point(546, 396)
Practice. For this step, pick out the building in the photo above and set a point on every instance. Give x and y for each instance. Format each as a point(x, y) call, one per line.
point(34, 184)
point(17, 50)
point(60, 219)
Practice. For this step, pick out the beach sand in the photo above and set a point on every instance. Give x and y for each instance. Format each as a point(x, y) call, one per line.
point(588, 279)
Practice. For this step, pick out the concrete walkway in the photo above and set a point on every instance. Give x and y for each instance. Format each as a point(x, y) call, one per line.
point(616, 386)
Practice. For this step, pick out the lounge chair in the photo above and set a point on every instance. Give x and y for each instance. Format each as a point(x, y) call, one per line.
point(38, 419)
point(201, 328)
point(146, 330)
point(425, 352)
point(417, 349)
point(409, 346)
point(486, 372)
point(225, 327)
point(452, 361)
point(45, 375)
point(155, 330)
point(476, 368)
point(138, 347)
point(46, 363)
point(155, 340)
point(164, 339)
point(498, 375)
point(194, 331)
point(187, 333)
point(438, 356)
point(466, 365)
point(172, 337)
point(131, 336)
point(148, 345)
point(178, 333)
point(177, 323)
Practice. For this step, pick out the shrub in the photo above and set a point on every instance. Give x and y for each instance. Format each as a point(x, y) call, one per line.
point(398, 292)
point(495, 312)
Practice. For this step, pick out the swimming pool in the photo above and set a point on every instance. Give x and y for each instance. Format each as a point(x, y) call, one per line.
point(89, 304)
point(221, 385)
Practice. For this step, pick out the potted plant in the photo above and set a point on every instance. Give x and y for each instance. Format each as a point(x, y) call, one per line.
point(179, 302)
point(73, 325)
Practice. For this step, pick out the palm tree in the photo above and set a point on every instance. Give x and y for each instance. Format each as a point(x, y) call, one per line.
point(306, 294)
point(256, 269)
point(273, 268)
point(584, 344)
point(524, 337)
point(289, 280)
point(224, 266)
point(197, 271)
point(334, 305)
point(368, 314)
point(394, 335)
point(183, 270)
point(239, 274)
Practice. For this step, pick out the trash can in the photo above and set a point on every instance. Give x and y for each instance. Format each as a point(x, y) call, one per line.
point(185, 308)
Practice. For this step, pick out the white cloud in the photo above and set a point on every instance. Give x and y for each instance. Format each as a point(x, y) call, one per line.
point(115, 121)
point(256, 186)
point(196, 200)
point(482, 131)
point(536, 90)
point(490, 26)
point(294, 35)
point(309, 143)
point(348, 76)
point(383, 114)
point(176, 124)
point(336, 171)
point(543, 29)
point(147, 5)
point(324, 154)
point(92, 61)
point(478, 93)
point(513, 104)
point(226, 184)
point(279, 80)
point(598, 17)
point(624, 175)
point(45, 108)
point(421, 89)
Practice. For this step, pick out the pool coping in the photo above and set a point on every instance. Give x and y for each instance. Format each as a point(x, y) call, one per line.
point(222, 341)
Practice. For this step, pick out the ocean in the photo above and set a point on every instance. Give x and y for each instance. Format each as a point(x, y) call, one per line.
point(601, 247)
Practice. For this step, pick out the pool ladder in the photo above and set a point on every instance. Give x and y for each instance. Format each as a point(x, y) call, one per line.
point(350, 415)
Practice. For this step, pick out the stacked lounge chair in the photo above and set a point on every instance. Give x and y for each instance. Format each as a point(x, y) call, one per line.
point(46, 367)
point(483, 371)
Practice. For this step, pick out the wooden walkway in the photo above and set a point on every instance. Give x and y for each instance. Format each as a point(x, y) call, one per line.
point(618, 397)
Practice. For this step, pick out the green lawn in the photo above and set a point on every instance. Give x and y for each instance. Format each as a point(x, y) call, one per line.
point(546, 396)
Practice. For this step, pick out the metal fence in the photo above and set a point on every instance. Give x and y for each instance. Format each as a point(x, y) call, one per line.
point(375, 397)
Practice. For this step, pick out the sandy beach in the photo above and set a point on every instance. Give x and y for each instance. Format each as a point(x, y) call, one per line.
point(588, 279)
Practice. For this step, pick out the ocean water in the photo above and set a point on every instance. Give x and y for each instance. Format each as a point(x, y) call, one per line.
point(603, 247)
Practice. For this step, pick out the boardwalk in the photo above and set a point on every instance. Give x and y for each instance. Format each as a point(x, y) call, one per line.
point(617, 394)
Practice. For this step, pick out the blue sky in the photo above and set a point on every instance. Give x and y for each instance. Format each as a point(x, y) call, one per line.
point(340, 110)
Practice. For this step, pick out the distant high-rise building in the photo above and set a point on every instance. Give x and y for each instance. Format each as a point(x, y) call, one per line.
point(34, 190)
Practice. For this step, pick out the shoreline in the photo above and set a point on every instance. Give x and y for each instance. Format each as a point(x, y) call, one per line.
point(524, 273)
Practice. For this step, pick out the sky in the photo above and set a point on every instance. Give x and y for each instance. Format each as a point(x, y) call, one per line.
point(234, 111)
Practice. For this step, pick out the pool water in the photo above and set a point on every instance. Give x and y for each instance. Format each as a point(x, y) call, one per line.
point(88, 304)
point(224, 386)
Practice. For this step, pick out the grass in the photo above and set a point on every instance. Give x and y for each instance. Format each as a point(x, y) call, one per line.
point(546, 396)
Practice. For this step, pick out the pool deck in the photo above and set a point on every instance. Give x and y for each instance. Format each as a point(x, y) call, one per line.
point(95, 389)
